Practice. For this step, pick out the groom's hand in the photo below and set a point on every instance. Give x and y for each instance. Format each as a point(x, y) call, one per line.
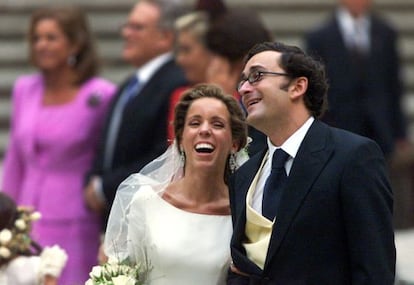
point(92, 198)
point(234, 269)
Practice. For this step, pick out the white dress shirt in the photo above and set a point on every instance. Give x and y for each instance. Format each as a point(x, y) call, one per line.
point(355, 31)
point(291, 147)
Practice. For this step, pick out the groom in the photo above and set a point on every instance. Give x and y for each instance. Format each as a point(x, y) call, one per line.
point(323, 217)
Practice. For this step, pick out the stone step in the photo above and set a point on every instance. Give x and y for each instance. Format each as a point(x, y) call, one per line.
point(14, 51)
point(288, 20)
point(5, 111)
point(4, 140)
point(106, 20)
point(115, 74)
point(126, 4)
point(114, 68)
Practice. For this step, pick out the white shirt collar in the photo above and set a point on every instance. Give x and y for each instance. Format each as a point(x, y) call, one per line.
point(346, 24)
point(145, 72)
point(345, 21)
point(292, 144)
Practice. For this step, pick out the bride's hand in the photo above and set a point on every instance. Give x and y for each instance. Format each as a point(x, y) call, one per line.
point(102, 258)
point(50, 280)
point(92, 200)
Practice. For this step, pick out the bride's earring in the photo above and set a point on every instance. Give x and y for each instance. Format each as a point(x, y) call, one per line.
point(71, 61)
point(232, 162)
point(182, 157)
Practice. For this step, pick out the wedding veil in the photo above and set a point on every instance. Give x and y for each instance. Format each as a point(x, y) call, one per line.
point(157, 174)
point(121, 223)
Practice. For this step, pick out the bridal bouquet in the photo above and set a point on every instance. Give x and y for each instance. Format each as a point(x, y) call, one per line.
point(116, 272)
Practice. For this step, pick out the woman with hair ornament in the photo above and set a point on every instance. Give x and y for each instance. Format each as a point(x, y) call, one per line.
point(22, 260)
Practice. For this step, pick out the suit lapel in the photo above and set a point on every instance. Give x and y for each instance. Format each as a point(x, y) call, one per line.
point(376, 41)
point(312, 156)
point(245, 177)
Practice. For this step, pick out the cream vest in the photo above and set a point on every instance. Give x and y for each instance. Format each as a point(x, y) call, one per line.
point(258, 228)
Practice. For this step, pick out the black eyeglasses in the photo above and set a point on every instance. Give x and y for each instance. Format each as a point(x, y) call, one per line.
point(134, 27)
point(256, 76)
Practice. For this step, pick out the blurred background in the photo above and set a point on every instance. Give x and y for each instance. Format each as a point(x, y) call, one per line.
point(288, 20)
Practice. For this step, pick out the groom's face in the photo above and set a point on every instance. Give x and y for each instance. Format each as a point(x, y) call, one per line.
point(265, 96)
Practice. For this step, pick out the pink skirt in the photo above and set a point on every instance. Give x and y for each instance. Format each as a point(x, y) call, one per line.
point(80, 239)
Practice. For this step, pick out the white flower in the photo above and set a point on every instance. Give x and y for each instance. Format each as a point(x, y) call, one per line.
point(52, 261)
point(96, 272)
point(243, 155)
point(112, 260)
point(5, 236)
point(54, 253)
point(115, 272)
point(20, 224)
point(123, 280)
point(35, 216)
point(4, 252)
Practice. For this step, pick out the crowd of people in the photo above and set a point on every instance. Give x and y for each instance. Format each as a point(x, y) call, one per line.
point(224, 158)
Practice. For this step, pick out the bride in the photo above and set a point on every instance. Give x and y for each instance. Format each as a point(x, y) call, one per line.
point(175, 213)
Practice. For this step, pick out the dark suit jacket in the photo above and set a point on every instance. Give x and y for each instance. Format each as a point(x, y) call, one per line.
point(142, 135)
point(334, 224)
point(376, 112)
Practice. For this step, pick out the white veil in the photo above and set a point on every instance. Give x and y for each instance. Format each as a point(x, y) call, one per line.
point(157, 174)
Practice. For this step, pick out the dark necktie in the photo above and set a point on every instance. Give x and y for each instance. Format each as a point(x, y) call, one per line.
point(132, 88)
point(274, 184)
point(130, 91)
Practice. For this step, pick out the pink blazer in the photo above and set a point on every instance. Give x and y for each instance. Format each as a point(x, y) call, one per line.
point(52, 147)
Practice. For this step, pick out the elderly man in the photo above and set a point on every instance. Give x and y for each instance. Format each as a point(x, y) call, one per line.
point(136, 127)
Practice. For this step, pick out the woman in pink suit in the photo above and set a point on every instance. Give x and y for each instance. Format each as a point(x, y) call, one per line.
point(56, 120)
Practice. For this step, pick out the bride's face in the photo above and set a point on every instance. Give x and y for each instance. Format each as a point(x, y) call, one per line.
point(207, 137)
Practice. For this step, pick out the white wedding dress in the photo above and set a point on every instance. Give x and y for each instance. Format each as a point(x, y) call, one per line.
point(30, 270)
point(23, 270)
point(182, 247)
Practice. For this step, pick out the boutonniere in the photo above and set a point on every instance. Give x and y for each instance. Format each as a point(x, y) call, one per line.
point(243, 155)
point(94, 100)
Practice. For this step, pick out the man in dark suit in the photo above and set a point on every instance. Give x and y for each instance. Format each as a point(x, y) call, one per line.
point(136, 126)
point(330, 221)
point(359, 50)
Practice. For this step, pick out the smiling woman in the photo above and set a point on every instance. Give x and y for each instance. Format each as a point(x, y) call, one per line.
point(60, 39)
point(208, 113)
point(183, 190)
point(57, 117)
